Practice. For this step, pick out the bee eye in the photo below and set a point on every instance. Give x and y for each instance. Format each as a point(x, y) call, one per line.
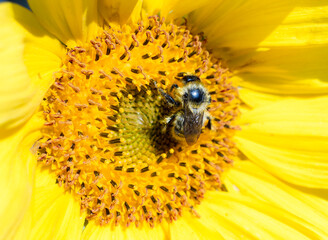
point(196, 95)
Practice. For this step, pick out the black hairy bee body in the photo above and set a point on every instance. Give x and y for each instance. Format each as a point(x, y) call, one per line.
point(189, 109)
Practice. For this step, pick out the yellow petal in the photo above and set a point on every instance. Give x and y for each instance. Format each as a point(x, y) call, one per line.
point(292, 119)
point(172, 9)
point(43, 57)
point(253, 181)
point(249, 24)
point(15, 88)
point(256, 99)
point(230, 216)
point(120, 11)
point(94, 231)
point(307, 24)
point(208, 226)
point(240, 24)
point(70, 21)
point(16, 178)
point(20, 89)
point(153, 7)
point(24, 228)
point(300, 168)
point(285, 70)
point(254, 219)
point(55, 213)
point(289, 138)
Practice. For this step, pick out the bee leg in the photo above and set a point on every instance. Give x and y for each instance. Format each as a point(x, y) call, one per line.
point(167, 123)
point(209, 124)
point(175, 126)
point(208, 117)
point(177, 130)
point(168, 120)
point(168, 98)
point(173, 87)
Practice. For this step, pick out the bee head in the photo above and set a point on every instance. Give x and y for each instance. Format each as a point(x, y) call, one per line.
point(194, 93)
point(190, 78)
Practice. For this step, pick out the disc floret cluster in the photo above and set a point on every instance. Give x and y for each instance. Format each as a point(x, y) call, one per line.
point(104, 137)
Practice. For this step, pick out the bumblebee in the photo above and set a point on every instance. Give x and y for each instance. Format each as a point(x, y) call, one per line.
point(188, 108)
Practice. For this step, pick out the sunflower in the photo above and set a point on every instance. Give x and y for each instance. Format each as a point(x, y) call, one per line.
point(164, 120)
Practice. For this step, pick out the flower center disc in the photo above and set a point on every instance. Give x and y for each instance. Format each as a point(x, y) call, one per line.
point(107, 137)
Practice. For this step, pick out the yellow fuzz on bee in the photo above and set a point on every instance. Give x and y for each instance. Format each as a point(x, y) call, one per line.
point(105, 138)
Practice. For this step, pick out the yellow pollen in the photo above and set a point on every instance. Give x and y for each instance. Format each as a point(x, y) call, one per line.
point(109, 131)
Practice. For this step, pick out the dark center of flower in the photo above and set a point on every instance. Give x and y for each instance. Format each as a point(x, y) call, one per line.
point(116, 123)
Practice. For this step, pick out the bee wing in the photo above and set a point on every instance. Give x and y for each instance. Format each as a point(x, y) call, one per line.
point(192, 125)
